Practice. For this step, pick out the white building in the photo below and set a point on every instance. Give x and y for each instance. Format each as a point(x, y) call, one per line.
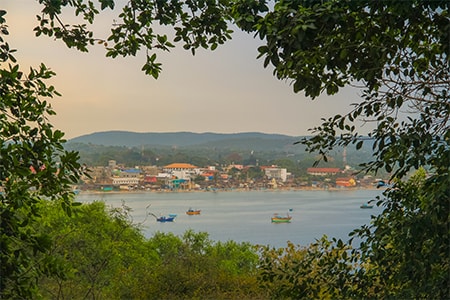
point(182, 170)
point(130, 177)
point(276, 173)
point(131, 181)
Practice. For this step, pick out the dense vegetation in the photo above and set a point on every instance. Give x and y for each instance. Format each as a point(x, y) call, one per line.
point(99, 254)
point(396, 51)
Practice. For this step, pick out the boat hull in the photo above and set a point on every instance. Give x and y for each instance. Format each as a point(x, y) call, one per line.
point(165, 219)
point(281, 219)
point(366, 206)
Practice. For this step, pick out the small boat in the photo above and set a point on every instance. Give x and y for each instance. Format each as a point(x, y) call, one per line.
point(281, 219)
point(382, 183)
point(191, 211)
point(164, 219)
point(366, 205)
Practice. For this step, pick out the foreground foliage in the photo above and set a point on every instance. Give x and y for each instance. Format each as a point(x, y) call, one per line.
point(34, 166)
point(407, 246)
point(102, 255)
point(396, 51)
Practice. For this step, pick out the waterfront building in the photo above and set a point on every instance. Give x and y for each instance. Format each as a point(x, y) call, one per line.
point(323, 171)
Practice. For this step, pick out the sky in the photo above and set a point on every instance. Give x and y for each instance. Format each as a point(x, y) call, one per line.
point(223, 91)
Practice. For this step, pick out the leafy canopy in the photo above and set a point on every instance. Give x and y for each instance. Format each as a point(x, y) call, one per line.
point(34, 167)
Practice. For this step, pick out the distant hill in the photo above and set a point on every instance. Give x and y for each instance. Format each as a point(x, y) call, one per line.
point(132, 148)
point(246, 140)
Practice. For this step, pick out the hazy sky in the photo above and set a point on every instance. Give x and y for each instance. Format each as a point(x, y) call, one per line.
point(223, 91)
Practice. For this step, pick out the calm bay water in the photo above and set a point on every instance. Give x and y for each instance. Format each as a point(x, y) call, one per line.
point(245, 216)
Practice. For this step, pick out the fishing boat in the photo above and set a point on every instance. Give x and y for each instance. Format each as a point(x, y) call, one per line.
point(366, 205)
point(382, 183)
point(281, 219)
point(164, 219)
point(191, 211)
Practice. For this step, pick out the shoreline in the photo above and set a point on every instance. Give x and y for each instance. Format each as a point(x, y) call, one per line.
point(99, 192)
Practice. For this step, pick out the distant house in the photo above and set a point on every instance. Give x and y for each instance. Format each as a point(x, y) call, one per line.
point(273, 172)
point(125, 181)
point(345, 182)
point(181, 170)
point(234, 166)
point(323, 171)
point(179, 167)
point(150, 179)
point(128, 177)
point(130, 173)
point(112, 164)
point(209, 175)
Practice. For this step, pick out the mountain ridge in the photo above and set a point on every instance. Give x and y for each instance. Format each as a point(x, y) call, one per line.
point(177, 139)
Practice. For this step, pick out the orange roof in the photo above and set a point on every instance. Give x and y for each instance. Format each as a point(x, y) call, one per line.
point(180, 166)
point(208, 174)
point(344, 179)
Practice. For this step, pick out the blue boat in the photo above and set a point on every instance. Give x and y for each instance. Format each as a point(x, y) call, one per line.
point(164, 219)
point(382, 183)
point(366, 205)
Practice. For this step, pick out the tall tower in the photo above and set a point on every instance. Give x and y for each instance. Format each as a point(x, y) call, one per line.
point(344, 156)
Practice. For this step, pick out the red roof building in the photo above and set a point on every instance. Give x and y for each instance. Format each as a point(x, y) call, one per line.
point(323, 171)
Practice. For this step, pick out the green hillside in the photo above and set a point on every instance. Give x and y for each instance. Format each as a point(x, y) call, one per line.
point(204, 149)
point(176, 139)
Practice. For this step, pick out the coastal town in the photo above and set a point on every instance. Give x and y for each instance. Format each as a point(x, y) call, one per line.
point(188, 177)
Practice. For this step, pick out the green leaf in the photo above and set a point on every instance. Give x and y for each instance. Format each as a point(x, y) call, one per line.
point(359, 145)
